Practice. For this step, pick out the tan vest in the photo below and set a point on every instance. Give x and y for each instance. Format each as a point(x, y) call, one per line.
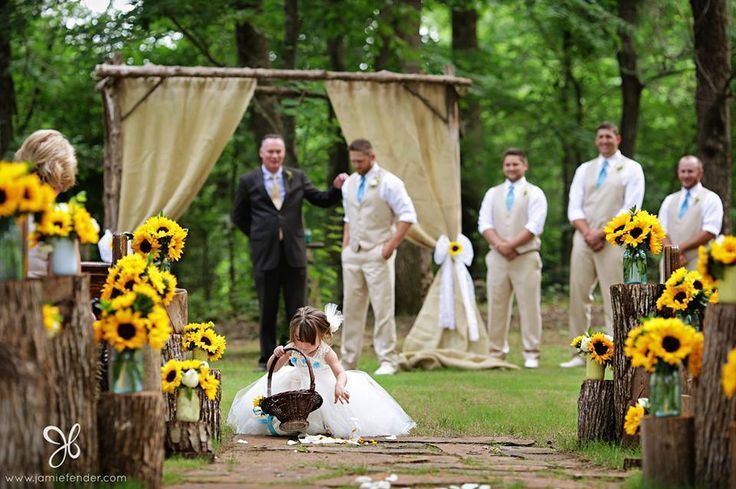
point(371, 221)
point(680, 230)
point(602, 204)
point(510, 223)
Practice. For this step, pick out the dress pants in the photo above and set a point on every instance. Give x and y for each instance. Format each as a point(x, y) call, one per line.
point(368, 277)
point(292, 282)
point(587, 268)
point(521, 277)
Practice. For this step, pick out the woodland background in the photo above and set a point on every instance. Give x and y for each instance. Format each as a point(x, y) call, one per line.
point(545, 73)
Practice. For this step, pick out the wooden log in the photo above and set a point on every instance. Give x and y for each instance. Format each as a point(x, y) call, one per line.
point(113, 161)
point(131, 433)
point(713, 411)
point(670, 261)
point(732, 436)
point(210, 411)
point(630, 302)
point(189, 439)
point(596, 420)
point(74, 355)
point(26, 395)
point(667, 449)
point(173, 350)
point(178, 312)
point(151, 369)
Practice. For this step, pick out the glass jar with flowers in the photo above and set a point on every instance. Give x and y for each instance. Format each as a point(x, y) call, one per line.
point(21, 194)
point(638, 232)
point(63, 227)
point(161, 239)
point(597, 349)
point(188, 379)
point(686, 295)
point(203, 342)
point(716, 263)
point(662, 346)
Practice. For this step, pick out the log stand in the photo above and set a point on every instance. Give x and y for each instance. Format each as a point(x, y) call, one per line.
point(596, 421)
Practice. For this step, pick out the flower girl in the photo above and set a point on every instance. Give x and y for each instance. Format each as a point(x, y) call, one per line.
point(353, 403)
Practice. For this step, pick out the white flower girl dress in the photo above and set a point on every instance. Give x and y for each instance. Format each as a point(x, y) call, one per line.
point(371, 411)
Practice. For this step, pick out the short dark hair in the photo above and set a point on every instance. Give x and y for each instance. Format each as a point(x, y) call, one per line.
point(515, 152)
point(308, 324)
point(609, 126)
point(272, 135)
point(362, 145)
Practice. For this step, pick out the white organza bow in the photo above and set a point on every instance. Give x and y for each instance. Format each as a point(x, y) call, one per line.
point(457, 255)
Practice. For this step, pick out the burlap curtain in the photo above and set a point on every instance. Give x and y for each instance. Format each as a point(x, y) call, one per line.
point(407, 125)
point(172, 140)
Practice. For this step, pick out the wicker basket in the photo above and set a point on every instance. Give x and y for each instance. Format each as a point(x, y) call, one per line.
point(292, 407)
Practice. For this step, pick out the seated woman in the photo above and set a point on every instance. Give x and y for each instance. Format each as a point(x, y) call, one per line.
point(53, 159)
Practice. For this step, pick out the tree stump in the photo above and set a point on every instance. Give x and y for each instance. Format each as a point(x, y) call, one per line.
point(131, 432)
point(596, 420)
point(189, 439)
point(173, 349)
point(713, 411)
point(178, 312)
point(151, 369)
point(630, 302)
point(74, 355)
point(667, 450)
point(27, 402)
point(210, 411)
point(732, 434)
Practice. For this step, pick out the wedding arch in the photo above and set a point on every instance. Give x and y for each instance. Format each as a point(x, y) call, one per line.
point(166, 126)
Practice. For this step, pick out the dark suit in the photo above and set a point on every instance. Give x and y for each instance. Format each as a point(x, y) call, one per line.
point(277, 264)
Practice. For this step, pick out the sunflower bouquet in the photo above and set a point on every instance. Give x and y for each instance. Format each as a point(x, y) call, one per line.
point(67, 220)
point(661, 346)
point(598, 350)
point(160, 238)
point(188, 378)
point(715, 263)
point(134, 270)
point(202, 340)
point(686, 295)
point(632, 421)
point(638, 232)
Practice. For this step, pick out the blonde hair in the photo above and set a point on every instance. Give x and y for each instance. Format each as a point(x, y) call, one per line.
point(308, 324)
point(52, 157)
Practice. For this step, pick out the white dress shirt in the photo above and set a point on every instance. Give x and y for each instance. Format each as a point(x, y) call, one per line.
point(392, 190)
point(632, 177)
point(711, 209)
point(536, 213)
point(268, 182)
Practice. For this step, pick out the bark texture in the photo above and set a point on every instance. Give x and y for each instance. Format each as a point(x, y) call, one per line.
point(668, 454)
point(596, 420)
point(189, 439)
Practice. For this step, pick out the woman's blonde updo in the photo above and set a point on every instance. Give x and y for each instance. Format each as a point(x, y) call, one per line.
point(52, 157)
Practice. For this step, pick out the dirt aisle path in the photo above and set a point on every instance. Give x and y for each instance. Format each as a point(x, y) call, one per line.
point(419, 462)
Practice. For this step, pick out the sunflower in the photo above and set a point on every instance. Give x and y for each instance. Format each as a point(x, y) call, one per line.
point(616, 227)
point(575, 343)
point(159, 327)
point(125, 329)
point(170, 283)
point(257, 401)
point(146, 243)
point(127, 279)
point(171, 376)
point(32, 198)
point(85, 226)
point(703, 259)
point(10, 195)
point(209, 383)
point(146, 298)
point(695, 359)
point(160, 226)
point(723, 250)
point(672, 341)
point(656, 237)
point(601, 348)
point(455, 248)
point(677, 297)
point(636, 231)
point(728, 375)
point(633, 419)
point(134, 264)
point(123, 301)
point(55, 222)
point(176, 245)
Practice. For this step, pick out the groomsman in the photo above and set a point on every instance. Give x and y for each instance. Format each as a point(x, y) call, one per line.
point(693, 215)
point(601, 189)
point(378, 214)
point(511, 219)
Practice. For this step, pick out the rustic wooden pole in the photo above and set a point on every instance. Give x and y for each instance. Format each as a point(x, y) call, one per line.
point(178, 311)
point(596, 420)
point(713, 411)
point(670, 261)
point(74, 355)
point(668, 455)
point(631, 303)
point(27, 402)
point(131, 432)
point(189, 439)
point(113, 164)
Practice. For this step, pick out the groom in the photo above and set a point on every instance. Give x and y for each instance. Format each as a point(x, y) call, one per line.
point(268, 209)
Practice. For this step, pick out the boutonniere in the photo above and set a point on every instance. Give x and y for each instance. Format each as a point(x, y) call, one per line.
point(526, 192)
point(373, 182)
point(288, 174)
point(697, 199)
point(620, 167)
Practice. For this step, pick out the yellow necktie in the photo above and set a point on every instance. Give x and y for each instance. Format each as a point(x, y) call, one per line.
point(275, 192)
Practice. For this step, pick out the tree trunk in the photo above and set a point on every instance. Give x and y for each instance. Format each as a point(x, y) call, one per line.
point(596, 421)
point(189, 439)
point(630, 302)
point(210, 411)
point(292, 24)
point(74, 355)
point(713, 411)
point(132, 430)
point(631, 86)
point(713, 70)
point(27, 401)
point(7, 89)
point(668, 454)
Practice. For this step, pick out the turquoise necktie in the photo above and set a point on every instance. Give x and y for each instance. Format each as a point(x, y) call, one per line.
point(602, 174)
point(685, 204)
point(361, 188)
point(510, 198)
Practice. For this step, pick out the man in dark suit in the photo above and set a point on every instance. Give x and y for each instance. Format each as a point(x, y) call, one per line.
point(268, 209)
